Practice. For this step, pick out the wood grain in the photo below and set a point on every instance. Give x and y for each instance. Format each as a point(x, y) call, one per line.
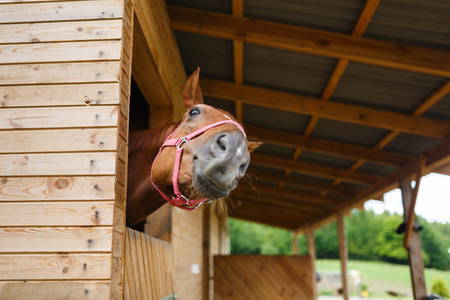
point(56, 214)
point(55, 239)
point(55, 266)
point(57, 188)
point(59, 11)
point(59, 95)
point(62, 31)
point(58, 117)
point(60, 52)
point(38, 140)
point(51, 73)
point(54, 290)
point(61, 164)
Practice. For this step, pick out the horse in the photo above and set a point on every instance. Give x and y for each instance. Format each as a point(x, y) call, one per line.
point(202, 157)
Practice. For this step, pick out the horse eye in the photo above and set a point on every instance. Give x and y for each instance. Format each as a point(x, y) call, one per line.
point(194, 111)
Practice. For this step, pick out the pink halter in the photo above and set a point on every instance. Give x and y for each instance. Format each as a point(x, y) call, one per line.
point(180, 143)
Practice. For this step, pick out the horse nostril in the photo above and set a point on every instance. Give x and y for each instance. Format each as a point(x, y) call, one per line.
point(221, 142)
point(242, 169)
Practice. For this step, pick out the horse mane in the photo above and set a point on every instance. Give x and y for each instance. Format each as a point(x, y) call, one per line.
point(138, 141)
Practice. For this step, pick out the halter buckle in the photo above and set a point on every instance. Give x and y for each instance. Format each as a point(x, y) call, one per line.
point(183, 143)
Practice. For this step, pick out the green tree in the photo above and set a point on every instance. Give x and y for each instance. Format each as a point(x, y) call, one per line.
point(389, 244)
point(326, 240)
point(362, 227)
point(438, 287)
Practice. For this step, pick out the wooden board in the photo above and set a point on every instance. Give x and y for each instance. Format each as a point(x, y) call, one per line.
point(38, 140)
point(262, 277)
point(73, 73)
point(59, 11)
point(59, 95)
point(56, 213)
point(60, 52)
point(64, 31)
point(57, 188)
point(55, 239)
point(55, 266)
point(60, 164)
point(54, 290)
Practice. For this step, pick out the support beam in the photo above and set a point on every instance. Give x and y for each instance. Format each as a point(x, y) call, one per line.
point(311, 41)
point(330, 110)
point(295, 243)
point(206, 253)
point(312, 255)
point(410, 217)
point(416, 264)
point(343, 254)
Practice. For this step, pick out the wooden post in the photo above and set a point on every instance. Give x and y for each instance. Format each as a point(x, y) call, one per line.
point(343, 253)
point(415, 247)
point(294, 243)
point(312, 255)
point(206, 254)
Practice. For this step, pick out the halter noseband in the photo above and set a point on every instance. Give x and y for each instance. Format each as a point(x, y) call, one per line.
point(179, 199)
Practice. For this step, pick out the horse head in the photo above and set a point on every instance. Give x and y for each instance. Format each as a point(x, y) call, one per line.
point(212, 160)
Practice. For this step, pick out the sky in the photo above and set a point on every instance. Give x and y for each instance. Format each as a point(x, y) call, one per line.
point(433, 200)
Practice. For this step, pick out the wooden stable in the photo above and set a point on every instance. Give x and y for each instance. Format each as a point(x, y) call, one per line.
point(65, 77)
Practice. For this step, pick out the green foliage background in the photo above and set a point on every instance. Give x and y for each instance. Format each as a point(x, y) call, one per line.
point(370, 237)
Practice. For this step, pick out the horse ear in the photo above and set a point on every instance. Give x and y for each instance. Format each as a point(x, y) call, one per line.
point(192, 93)
point(253, 145)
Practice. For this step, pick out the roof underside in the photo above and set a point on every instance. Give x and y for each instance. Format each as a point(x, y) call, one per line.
point(335, 124)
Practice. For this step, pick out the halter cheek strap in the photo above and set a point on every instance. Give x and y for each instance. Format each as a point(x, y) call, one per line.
point(179, 199)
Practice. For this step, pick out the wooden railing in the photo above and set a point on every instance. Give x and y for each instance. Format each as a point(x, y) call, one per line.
point(148, 268)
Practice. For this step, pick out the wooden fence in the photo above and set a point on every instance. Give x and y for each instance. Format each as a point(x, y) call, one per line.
point(262, 277)
point(148, 267)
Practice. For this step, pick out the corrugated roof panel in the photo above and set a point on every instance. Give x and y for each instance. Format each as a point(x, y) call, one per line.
point(323, 159)
point(411, 144)
point(337, 16)
point(348, 133)
point(226, 105)
point(384, 88)
point(271, 149)
point(214, 56)
point(376, 169)
point(286, 70)
point(412, 22)
point(274, 119)
point(440, 110)
point(222, 6)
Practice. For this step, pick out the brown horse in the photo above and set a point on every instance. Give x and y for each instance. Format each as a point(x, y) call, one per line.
point(209, 164)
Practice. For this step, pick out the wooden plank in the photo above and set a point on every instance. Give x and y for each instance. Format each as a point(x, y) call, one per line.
point(312, 255)
point(55, 239)
point(56, 214)
point(343, 254)
point(51, 73)
point(38, 140)
point(60, 52)
point(57, 188)
point(54, 290)
point(154, 21)
point(61, 31)
point(58, 117)
point(326, 109)
point(61, 164)
point(55, 266)
point(59, 11)
point(59, 95)
point(311, 41)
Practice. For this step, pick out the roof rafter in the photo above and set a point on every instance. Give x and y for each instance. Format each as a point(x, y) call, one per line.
point(312, 41)
point(326, 146)
point(330, 110)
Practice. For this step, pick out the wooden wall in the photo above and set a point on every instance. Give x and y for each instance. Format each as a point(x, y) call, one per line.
point(148, 267)
point(64, 89)
point(262, 277)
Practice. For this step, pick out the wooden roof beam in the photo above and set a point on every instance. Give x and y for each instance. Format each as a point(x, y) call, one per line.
point(326, 146)
point(311, 41)
point(313, 169)
point(331, 110)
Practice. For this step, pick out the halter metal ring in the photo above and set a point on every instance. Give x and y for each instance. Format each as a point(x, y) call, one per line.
point(183, 143)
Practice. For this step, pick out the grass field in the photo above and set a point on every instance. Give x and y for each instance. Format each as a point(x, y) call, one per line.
point(379, 277)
